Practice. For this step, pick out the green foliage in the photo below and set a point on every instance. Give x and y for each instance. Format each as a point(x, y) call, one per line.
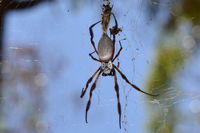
point(170, 59)
point(162, 125)
point(191, 10)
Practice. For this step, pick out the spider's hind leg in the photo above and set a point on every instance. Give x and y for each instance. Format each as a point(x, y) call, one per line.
point(90, 54)
point(92, 36)
point(118, 53)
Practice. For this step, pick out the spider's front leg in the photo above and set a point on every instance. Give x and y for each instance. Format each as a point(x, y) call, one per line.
point(134, 86)
point(88, 82)
point(90, 97)
point(92, 36)
point(118, 98)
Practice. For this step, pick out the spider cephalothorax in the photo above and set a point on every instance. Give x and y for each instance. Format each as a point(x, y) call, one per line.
point(107, 68)
point(106, 54)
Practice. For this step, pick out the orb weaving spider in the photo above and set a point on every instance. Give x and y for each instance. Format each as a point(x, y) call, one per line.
point(106, 51)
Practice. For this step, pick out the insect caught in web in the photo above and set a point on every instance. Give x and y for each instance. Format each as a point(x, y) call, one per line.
point(106, 54)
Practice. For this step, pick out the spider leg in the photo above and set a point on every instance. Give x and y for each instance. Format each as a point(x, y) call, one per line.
point(118, 64)
point(118, 98)
point(118, 53)
point(88, 82)
point(113, 32)
point(90, 97)
point(134, 86)
point(115, 28)
point(92, 36)
point(116, 24)
point(90, 54)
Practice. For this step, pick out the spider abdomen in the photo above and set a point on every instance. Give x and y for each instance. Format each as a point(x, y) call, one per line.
point(105, 48)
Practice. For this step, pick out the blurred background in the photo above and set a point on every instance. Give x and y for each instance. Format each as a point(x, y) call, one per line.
point(44, 65)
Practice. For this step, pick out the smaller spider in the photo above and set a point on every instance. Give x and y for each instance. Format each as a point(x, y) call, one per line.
point(106, 51)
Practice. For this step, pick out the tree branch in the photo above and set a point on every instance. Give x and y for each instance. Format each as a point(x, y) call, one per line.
point(16, 5)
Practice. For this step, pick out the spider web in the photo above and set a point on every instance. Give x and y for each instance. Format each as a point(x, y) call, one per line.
point(46, 64)
point(175, 95)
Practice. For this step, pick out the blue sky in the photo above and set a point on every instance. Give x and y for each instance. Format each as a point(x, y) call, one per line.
point(61, 33)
